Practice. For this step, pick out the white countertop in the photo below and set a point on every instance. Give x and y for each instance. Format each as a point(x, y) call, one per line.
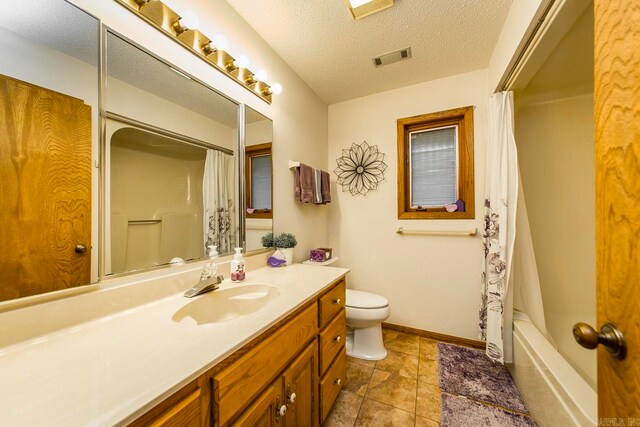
point(112, 369)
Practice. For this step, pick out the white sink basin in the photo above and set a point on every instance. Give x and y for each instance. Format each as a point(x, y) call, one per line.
point(222, 305)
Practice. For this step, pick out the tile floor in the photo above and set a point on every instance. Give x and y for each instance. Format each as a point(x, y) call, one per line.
point(402, 390)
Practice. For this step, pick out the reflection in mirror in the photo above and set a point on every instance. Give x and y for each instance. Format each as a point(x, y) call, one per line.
point(171, 181)
point(258, 178)
point(48, 136)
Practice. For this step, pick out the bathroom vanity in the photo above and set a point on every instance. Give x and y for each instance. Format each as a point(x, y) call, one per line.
point(291, 373)
point(268, 350)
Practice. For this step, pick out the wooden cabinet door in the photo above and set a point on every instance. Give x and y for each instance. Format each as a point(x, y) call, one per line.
point(264, 411)
point(45, 188)
point(617, 127)
point(301, 388)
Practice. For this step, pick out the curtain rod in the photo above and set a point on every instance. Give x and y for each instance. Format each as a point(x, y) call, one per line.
point(506, 80)
point(166, 133)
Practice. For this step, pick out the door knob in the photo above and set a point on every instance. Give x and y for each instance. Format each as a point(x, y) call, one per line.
point(609, 336)
point(80, 249)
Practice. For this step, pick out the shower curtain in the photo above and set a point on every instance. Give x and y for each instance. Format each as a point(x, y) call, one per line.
point(218, 195)
point(501, 192)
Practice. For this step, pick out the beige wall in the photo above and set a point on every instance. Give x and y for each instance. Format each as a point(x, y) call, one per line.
point(432, 283)
point(299, 116)
point(146, 184)
point(555, 146)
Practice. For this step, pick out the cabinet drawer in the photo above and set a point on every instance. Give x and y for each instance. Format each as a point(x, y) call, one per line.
point(241, 382)
point(183, 408)
point(332, 339)
point(331, 383)
point(331, 303)
point(184, 413)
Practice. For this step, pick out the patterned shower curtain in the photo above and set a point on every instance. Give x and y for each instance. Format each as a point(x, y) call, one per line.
point(218, 195)
point(501, 194)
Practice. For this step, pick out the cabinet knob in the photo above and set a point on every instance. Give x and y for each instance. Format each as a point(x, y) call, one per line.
point(337, 301)
point(338, 381)
point(292, 398)
point(282, 410)
point(337, 339)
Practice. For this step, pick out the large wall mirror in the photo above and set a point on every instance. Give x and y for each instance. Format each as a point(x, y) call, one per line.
point(160, 163)
point(258, 176)
point(171, 175)
point(48, 147)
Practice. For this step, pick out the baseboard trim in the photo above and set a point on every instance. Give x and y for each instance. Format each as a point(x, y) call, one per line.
point(466, 342)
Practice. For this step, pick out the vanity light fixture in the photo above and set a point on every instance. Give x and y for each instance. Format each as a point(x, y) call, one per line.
point(361, 8)
point(275, 89)
point(188, 21)
point(180, 25)
point(219, 42)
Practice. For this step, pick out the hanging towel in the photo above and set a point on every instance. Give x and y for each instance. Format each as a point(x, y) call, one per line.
point(307, 184)
point(317, 186)
point(325, 188)
point(298, 190)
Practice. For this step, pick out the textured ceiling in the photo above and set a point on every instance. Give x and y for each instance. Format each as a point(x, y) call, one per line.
point(129, 64)
point(332, 52)
point(54, 23)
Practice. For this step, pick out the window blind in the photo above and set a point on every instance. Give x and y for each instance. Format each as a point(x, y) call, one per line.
point(261, 182)
point(434, 167)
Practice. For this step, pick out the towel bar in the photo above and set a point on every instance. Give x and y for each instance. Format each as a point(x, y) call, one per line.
point(293, 164)
point(472, 232)
point(144, 221)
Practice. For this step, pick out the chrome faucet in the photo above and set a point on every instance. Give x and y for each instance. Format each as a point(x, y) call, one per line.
point(207, 281)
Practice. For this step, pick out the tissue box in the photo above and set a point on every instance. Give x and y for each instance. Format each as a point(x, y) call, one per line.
point(320, 254)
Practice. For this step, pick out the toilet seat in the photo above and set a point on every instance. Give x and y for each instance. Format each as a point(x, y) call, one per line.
point(365, 300)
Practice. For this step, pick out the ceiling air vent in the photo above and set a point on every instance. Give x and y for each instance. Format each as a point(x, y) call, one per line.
point(390, 58)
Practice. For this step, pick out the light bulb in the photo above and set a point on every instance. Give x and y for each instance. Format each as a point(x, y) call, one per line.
point(241, 62)
point(357, 3)
point(276, 88)
point(220, 42)
point(260, 75)
point(189, 19)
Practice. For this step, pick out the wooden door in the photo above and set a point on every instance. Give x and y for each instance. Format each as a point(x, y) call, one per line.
point(45, 185)
point(301, 389)
point(617, 127)
point(264, 411)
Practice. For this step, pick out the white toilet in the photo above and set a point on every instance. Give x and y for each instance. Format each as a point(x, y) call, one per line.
point(365, 313)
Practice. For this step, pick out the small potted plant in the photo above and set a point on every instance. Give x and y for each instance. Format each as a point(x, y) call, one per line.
point(285, 242)
point(267, 240)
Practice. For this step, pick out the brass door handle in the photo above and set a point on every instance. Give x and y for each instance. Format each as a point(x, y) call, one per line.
point(80, 249)
point(609, 336)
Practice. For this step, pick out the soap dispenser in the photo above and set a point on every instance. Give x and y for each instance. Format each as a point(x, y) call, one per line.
point(237, 266)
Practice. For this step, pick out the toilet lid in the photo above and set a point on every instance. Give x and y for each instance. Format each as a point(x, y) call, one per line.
point(361, 299)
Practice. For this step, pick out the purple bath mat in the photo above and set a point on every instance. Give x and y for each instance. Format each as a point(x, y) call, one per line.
point(458, 411)
point(469, 372)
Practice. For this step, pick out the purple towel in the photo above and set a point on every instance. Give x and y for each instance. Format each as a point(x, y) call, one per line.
point(307, 183)
point(326, 188)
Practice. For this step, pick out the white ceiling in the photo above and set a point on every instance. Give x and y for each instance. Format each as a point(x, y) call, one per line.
point(333, 52)
point(56, 24)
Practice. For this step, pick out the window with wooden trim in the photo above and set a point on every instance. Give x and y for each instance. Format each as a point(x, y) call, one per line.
point(435, 165)
point(258, 181)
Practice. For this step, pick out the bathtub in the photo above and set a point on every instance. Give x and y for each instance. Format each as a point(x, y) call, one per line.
point(554, 392)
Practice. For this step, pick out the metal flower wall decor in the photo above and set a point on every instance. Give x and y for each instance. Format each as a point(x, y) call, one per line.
point(360, 168)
